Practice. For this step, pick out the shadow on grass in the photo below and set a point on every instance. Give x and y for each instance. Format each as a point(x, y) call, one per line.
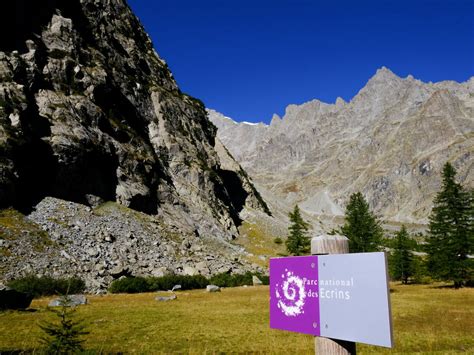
point(444, 287)
point(42, 352)
point(27, 310)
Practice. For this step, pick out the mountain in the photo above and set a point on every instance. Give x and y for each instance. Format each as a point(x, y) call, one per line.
point(390, 142)
point(89, 115)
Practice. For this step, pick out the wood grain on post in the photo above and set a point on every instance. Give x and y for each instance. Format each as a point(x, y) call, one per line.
point(322, 245)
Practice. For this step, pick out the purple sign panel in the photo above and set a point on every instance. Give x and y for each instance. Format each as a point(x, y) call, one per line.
point(344, 296)
point(294, 289)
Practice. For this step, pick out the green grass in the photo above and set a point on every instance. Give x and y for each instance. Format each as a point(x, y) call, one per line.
point(257, 241)
point(14, 225)
point(426, 320)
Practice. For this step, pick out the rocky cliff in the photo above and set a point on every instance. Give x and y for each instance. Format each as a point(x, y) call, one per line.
point(390, 142)
point(90, 113)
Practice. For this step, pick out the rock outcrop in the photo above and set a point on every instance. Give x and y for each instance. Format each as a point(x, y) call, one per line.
point(390, 142)
point(90, 113)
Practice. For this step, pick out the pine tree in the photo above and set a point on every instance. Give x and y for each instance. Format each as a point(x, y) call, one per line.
point(361, 227)
point(297, 242)
point(63, 337)
point(402, 260)
point(451, 232)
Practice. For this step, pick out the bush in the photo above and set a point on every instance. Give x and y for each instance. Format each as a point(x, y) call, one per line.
point(150, 284)
point(227, 280)
point(129, 285)
point(167, 282)
point(278, 240)
point(46, 286)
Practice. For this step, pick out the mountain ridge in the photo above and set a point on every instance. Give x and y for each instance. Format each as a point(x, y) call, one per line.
point(390, 141)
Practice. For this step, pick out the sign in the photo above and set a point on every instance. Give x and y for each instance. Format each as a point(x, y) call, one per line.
point(339, 296)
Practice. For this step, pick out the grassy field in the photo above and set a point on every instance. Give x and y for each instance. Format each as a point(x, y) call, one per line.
point(426, 320)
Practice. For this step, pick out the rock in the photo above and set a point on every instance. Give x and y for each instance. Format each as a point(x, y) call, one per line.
point(68, 301)
point(160, 272)
point(109, 238)
point(94, 201)
point(176, 287)
point(256, 281)
point(202, 268)
point(92, 252)
point(166, 298)
point(119, 271)
point(12, 299)
point(213, 288)
point(190, 271)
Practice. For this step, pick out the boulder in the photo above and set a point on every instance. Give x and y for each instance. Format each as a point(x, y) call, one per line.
point(161, 271)
point(189, 270)
point(11, 299)
point(213, 288)
point(119, 271)
point(68, 301)
point(166, 298)
point(202, 267)
point(256, 281)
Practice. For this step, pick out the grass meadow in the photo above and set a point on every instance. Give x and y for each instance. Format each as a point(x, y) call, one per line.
point(428, 319)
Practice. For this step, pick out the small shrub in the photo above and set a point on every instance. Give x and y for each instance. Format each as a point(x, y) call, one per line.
point(278, 240)
point(129, 285)
point(167, 282)
point(46, 286)
point(227, 280)
point(265, 279)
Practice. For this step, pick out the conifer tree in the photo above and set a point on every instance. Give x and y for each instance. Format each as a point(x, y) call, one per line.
point(361, 227)
point(451, 232)
point(63, 337)
point(297, 242)
point(402, 260)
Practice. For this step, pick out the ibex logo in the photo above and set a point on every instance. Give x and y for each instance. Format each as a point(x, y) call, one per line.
point(290, 294)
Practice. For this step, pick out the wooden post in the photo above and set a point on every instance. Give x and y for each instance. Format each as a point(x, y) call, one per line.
point(322, 245)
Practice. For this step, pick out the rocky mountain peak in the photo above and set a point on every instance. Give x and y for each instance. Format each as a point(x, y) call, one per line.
point(379, 143)
point(275, 120)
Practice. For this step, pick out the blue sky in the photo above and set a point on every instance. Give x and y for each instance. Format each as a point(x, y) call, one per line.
point(250, 59)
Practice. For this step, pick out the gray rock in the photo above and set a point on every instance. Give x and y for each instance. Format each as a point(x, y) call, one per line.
point(190, 271)
point(166, 298)
point(160, 272)
point(213, 288)
point(256, 281)
point(119, 271)
point(68, 301)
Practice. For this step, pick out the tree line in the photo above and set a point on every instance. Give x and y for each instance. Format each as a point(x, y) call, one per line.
point(444, 253)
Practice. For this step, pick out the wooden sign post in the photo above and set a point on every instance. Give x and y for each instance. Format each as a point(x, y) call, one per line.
point(323, 245)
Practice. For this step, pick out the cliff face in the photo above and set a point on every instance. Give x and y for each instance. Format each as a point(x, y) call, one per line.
point(90, 113)
point(89, 109)
point(390, 142)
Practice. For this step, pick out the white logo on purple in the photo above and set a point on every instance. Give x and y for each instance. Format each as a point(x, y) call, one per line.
point(290, 294)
